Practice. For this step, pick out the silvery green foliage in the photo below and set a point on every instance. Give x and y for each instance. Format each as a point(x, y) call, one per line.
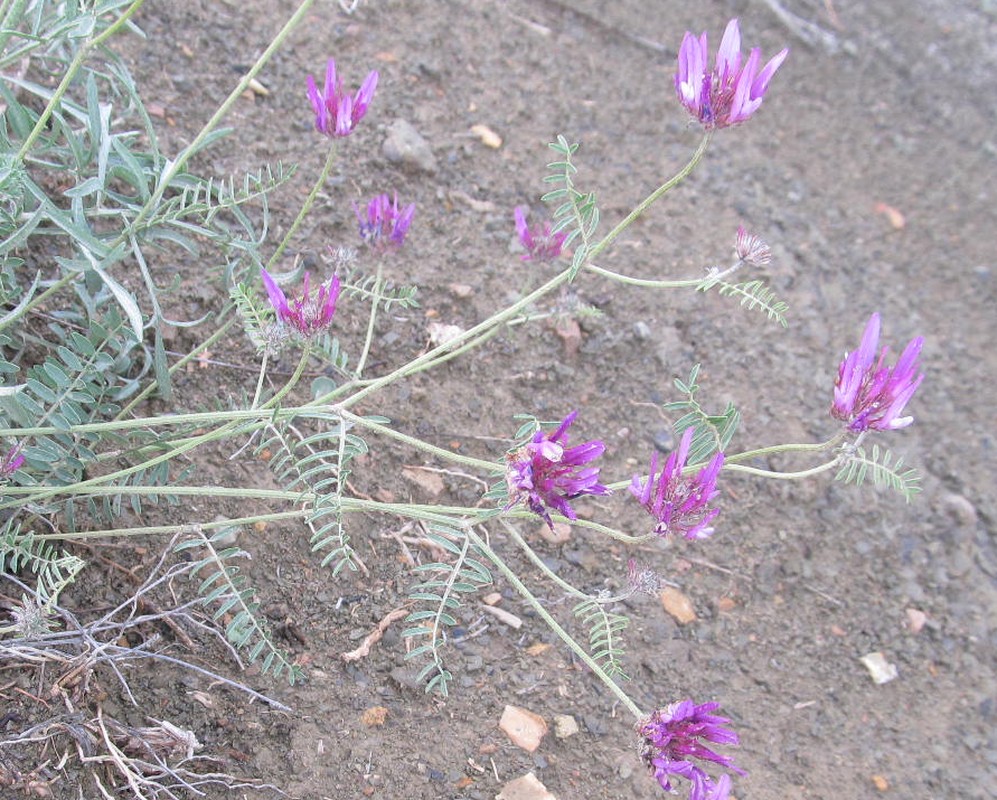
point(577, 212)
point(752, 295)
point(86, 194)
point(714, 432)
point(317, 462)
point(882, 467)
point(53, 570)
point(439, 597)
point(227, 592)
point(605, 635)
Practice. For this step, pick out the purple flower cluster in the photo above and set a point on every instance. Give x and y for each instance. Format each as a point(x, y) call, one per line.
point(674, 735)
point(546, 473)
point(11, 462)
point(680, 504)
point(732, 91)
point(870, 395)
point(337, 112)
point(541, 244)
point(308, 315)
point(385, 225)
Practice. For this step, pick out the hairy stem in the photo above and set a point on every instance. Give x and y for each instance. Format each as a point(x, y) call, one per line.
point(375, 300)
point(323, 176)
point(542, 612)
point(648, 201)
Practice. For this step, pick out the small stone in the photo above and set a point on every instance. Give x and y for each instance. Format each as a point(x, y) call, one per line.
point(461, 291)
point(524, 728)
point(405, 145)
point(488, 137)
point(492, 598)
point(881, 670)
point(559, 535)
point(664, 441)
point(960, 509)
point(226, 536)
point(642, 331)
point(441, 333)
point(431, 482)
point(677, 605)
point(725, 604)
point(407, 678)
point(528, 787)
point(375, 716)
point(880, 782)
point(565, 725)
point(915, 620)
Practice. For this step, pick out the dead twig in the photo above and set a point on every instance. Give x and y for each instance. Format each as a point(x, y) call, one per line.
point(375, 635)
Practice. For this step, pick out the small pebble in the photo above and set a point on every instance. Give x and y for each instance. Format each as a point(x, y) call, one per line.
point(405, 145)
point(565, 726)
point(528, 787)
point(524, 728)
point(664, 440)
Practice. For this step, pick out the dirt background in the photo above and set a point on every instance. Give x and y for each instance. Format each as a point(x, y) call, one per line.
point(800, 579)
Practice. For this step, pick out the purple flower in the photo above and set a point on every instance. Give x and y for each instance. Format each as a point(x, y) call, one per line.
point(545, 472)
point(751, 249)
point(673, 735)
point(541, 244)
point(11, 462)
point(680, 504)
point(385, 225)
point(308, 315)
point(337, 112)
point(732, 91)
point(869, 395)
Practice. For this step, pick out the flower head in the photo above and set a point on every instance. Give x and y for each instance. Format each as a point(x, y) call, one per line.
point(545, 472)
point(675, 734)
point(11, 462)
point(751, 249)
point(541, 244)
point(870, 395)
point(733, 90)
point(307, 315)
point(680, 504)
point(337, 112)
point(385, 225)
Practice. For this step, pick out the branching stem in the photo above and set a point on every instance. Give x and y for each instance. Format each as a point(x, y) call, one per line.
point(542, 612)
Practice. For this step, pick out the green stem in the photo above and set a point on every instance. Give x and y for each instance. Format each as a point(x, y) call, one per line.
point(391, 433)
point(651, 198)
point(375, 299)
point(480, 340)
point(432, 355)
point(323, 176)
point(177, 449)
point(784, 476)
point(174, 529)
point(619, 278)
point(539, 564)
point(542, 612)
point(731, 462)
point(259, 382)
point(785, 448)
